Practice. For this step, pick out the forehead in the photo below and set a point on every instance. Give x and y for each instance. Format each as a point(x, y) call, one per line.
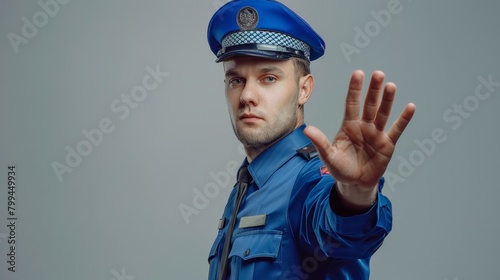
point(246, 63)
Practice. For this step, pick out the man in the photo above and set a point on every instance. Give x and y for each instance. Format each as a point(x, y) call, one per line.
point(294, 215)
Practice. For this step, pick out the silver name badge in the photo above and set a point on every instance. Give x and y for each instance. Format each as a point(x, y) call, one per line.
point(253, 221)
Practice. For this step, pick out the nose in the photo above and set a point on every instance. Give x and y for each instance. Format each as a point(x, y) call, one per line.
point(249, 94)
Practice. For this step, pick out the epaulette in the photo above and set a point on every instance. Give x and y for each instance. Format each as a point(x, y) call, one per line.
point(308, 152)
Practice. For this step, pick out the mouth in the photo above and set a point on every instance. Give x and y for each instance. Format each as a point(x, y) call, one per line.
point(247, 117)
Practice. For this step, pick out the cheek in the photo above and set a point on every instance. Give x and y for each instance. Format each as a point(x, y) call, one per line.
point(288, 102)
point(232, 103)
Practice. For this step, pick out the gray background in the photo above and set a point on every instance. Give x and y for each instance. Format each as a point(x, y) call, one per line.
point(116, 215)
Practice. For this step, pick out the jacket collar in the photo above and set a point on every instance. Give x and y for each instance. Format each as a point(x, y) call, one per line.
point(270, 160)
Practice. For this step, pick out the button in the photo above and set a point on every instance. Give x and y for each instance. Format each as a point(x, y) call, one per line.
point(247, 252)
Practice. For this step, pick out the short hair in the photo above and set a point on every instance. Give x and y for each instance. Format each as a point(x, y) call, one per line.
point(302, 67)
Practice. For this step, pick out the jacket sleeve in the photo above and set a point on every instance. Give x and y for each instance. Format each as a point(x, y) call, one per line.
point(316, 225)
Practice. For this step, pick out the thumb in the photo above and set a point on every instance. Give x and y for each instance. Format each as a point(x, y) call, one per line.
point(319, 140)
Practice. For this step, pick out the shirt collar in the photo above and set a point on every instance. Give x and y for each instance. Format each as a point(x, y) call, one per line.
point(270, 160)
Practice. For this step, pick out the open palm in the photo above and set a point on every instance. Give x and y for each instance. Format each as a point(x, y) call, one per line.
point(361, 150)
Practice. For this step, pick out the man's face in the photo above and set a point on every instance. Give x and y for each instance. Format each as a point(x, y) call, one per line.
point(264, 98)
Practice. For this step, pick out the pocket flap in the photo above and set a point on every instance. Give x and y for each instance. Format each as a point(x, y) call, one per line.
point(257, 245)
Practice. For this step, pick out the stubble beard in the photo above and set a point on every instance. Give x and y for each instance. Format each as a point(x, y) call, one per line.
point(262, 135)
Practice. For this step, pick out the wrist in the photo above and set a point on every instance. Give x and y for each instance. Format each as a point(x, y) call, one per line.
point(352, 200)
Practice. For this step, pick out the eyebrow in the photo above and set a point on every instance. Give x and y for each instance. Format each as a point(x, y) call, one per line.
point(231, 73)
point(262, 70)
point(269, 69)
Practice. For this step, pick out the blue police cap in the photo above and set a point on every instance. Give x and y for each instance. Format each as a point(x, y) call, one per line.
point(263, 28)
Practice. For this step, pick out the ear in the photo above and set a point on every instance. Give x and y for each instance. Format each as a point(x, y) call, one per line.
point(306, 86)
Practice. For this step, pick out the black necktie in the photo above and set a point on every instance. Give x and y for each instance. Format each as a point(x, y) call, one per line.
point(244, 179)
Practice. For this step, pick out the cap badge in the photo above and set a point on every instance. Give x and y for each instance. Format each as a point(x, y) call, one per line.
point(247, 18)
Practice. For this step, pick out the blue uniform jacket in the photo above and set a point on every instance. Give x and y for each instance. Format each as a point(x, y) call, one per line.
point(286, 229)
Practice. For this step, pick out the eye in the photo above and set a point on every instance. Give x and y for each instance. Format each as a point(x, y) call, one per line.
point(269, 79)
point(235, 81)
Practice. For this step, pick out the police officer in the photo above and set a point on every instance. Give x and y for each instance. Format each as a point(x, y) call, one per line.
point(303, 208)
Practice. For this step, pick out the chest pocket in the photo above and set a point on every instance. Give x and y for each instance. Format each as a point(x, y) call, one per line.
point(257, 244)
point(254, 253)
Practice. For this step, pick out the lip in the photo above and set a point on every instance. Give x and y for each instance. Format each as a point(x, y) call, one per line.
point(250, 117)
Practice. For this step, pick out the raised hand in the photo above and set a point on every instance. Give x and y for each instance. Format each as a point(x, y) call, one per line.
point(361, 150)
